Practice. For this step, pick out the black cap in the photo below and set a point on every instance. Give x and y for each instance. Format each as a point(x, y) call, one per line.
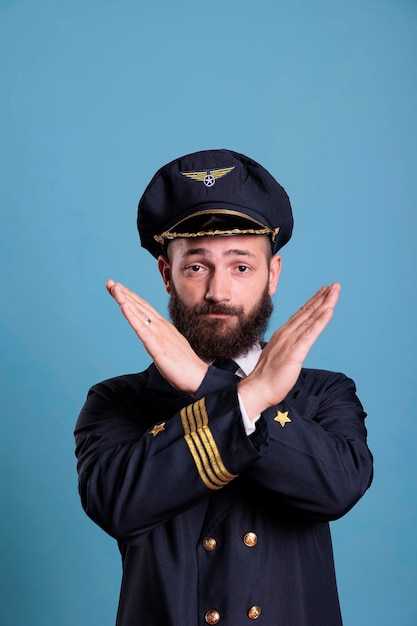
point(213, 193)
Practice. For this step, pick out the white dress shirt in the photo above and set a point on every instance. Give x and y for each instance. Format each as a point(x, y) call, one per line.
point(247, 364)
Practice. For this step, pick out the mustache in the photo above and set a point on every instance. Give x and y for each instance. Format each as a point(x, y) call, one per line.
point(219, 309)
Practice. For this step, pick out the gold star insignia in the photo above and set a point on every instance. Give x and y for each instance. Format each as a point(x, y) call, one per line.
point(282, 418)
point(157, 429)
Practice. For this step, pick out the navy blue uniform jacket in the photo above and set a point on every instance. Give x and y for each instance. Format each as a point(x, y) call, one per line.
point(215, 526)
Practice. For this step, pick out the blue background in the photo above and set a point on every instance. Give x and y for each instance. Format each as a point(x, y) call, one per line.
point(95, 96)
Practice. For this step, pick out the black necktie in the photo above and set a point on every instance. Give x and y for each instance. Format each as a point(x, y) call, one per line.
point(228, 366)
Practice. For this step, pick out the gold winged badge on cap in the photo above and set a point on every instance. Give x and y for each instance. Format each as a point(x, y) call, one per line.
point(208, 177)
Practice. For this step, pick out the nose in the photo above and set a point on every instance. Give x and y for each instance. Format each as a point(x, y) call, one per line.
point(218, 287)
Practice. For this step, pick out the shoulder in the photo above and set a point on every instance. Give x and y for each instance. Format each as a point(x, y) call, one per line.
point(126, 386)
point(115, 397)
point(322, 382)
point(125, 381)
point(321, 376)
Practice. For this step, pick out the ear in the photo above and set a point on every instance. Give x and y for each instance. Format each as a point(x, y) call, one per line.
point(275, 266)
point(165, 271)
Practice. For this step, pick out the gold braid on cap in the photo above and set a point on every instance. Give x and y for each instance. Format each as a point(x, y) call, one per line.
point(212, 233)
point(173, 234)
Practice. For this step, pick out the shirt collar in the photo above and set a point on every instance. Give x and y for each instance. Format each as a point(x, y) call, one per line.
point(248, 361)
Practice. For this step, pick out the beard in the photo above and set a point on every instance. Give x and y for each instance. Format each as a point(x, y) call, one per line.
point(215, 338)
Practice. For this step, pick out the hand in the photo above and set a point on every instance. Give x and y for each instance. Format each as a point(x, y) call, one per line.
point(169, 349)
point(282, 358)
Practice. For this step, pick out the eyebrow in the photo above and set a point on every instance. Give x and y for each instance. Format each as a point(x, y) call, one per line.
point(231, 252)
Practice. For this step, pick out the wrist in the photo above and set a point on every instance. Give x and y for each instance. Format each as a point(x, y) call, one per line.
point(252, 398)
point(193, 382)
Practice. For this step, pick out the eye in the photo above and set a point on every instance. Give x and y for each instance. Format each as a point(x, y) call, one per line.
point(242, 269)
point(194, 268)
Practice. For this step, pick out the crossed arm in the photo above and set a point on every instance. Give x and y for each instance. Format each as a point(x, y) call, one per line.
point(320, 466)
point(279, 365)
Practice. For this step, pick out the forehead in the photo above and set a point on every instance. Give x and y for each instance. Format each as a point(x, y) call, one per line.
point(242, 245)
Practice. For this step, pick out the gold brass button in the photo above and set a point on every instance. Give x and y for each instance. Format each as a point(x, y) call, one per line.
point(254, 612)
point(212, 617)
point(250, 539)
point(209, 544)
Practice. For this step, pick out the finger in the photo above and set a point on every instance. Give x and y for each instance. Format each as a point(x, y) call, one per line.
point(311, 304)
point(109, 284)
point(140, 323)
point(311, 327)
point(309, 321)
point(318, 314)
point(325, 296)
point(135, 300)
point(333, 295)
point(122, 294)
point(309, 331)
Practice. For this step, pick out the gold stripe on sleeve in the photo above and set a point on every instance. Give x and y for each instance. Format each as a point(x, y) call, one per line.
point(203, 447)
point(199, 453)
point(211, 446)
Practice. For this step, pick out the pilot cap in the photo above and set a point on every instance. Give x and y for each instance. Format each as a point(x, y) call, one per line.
point(213, 193)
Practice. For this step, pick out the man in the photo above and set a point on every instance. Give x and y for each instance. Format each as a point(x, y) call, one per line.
point(219, 485)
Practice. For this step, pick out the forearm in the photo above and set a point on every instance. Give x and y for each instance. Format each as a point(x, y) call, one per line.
point(133, 477)
point(132, 480)
point(318, 461)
